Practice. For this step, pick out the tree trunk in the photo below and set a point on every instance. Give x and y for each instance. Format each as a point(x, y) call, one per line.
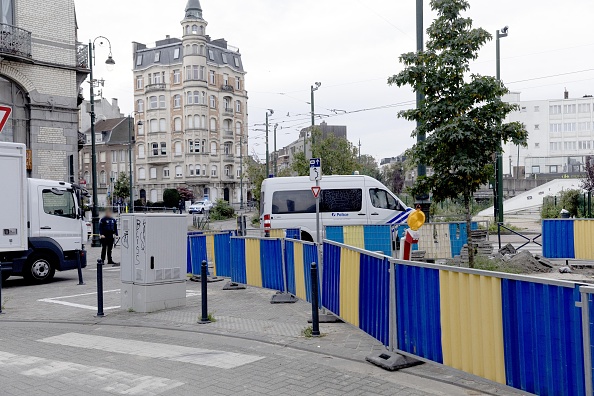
point(469, 231)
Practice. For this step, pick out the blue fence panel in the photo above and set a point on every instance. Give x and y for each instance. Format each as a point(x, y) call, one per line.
point(238, 272)
point(378, 238)
point(222, 244)
point(458, 237)
point(293, 233)
point(331, 278)
point(271, 264)
point(418, 312)
point(290, 266)
point(335, 233)
point(374, 297)
point(558, 239)
point(591, 327)
point(542, 338)
point(197, 252)
point(310, 255)
point(189, 256)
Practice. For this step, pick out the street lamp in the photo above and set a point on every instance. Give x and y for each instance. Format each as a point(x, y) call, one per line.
point(269, 112)
point(130, 141)
point(314, 88)
point(95, 241)
point(499, 166)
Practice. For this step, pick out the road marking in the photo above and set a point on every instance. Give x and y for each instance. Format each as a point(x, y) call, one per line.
point(203, 357)
point(58, 300)
point(101, 378)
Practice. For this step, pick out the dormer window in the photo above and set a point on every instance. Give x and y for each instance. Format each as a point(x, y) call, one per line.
point(157, 56)
point(224, 57)
point(176, 53)
point(139, 60)
point(211, 55)
point(236, 61)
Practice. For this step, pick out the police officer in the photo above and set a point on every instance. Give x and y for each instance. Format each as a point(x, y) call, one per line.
point(108, 227)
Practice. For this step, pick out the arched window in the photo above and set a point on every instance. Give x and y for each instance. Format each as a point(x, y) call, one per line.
point(161, 101)
point(238, 128)
point(228, 127)
point(154, 125)
point(213, 102)
point(140, 130)
point(177, 101)
point(194, 29)
point(197, 121)
point(228, 148)
point(197, 170)
point(213, 148)
point(228, 170)
point(201, 31)
point(190, 123)
point(103, 177)
point(196, 97)
point(203, 169)
point(141, 174)
point(188, 29)
point(203, 98)
point(197, 146)
point(154, 103)
point(190, 146)
point(179, 171)
point(227, 103)
point(213, 170)
point(177, 148)
point(213, 124)
point(191, 170)
point(190, 99)
point(141, 152)
point(203, 122)
point(140, 106)
point(201, 52)
point(195, 49)
point(177, 123)
point(153, 174)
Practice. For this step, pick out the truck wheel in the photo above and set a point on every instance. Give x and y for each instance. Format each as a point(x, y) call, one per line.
point(39, 268)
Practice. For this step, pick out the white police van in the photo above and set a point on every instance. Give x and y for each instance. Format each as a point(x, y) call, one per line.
point(288, 202)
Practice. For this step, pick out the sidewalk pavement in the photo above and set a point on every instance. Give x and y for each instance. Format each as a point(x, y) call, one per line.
point(244, 317)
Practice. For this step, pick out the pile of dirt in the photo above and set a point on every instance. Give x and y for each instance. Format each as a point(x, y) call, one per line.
point(524, 262)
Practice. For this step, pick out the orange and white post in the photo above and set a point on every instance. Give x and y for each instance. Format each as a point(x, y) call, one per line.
point(411, 236)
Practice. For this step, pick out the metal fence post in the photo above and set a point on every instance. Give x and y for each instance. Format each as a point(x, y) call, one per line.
point(284, 263)
point(100, 288)
point(80, 277)
point(586, 342)
point(393, 343)
point(204, 290)
point(0, 288)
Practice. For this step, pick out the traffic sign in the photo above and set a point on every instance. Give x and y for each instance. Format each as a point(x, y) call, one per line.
point(4, 113)
point(315, 169)
point(316, 191)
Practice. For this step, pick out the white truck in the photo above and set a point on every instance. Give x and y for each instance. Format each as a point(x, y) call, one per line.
point(41, 223)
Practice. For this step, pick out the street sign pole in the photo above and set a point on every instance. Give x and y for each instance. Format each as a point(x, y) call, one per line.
point(315, 173)
point(318, 214)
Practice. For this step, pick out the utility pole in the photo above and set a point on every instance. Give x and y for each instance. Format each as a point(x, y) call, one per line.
point(275, 165)
point(269, 112)
point(499, 166)
point(314, 88)
point(241, 172)
point(359, 150)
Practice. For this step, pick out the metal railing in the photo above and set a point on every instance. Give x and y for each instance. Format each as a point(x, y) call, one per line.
point(527, 239)
point(227, 88)
point(156, 87)
point(15, 41)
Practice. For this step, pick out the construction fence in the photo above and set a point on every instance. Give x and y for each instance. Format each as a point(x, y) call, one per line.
point(568, 238)
point(527, 333)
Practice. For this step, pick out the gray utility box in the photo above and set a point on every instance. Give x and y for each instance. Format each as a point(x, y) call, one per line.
point(154, 254)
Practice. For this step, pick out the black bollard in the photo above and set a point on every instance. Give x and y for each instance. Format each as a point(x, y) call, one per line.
point(315, 314)
point(204, 284)
point(100, 288)
point(0, 288)
point(80, 278)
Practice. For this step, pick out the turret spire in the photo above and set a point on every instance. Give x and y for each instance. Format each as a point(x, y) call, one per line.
point(193, 9)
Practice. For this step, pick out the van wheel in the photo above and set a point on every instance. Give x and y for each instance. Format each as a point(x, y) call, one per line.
point(306, 237)
point(40, 268)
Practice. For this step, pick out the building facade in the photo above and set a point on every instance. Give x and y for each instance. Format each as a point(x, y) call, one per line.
point(190, 96)
point(112, 156)
point(560, 137)
point(42, 67)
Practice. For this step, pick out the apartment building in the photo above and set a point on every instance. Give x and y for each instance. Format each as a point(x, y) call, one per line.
point(190, 96)
point(42, 67)
point(560, 137)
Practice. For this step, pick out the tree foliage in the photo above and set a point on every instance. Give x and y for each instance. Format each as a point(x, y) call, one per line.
point(393, 177)
point(256, 173)
point(367, 165)
point(171, 198)
point(185, 193)
point(461, 114)
point(588, 182)
point(339, 156)
point(121, 187)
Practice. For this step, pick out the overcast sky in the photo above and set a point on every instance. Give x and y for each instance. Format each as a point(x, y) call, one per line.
point(351, 47)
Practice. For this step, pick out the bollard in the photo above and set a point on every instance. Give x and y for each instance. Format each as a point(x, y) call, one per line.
point(0, 288)
point(204, 284)
point(80, 277)
point(100, 288)
point(315, 315)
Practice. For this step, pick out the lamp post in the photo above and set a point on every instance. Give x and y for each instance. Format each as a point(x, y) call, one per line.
point(95, 241)
point(314, 88)
point(275, 165)
point(269, 112)
point(130, 141)
point(240, 172)
point(499, 166)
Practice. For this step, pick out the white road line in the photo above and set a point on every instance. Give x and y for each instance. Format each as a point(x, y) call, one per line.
point(93, 378)
point(203, 357)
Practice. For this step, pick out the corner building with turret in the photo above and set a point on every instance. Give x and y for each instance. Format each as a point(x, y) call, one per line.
point(191, 114)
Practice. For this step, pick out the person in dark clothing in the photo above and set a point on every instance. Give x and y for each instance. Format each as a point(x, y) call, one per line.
point(181, 206)
point(108, 228)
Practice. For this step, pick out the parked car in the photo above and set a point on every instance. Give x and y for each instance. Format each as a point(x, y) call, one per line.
point(200, 207)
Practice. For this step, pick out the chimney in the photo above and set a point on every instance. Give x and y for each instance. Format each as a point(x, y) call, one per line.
point(566, 94)
point(114, 103)
point(167, 37)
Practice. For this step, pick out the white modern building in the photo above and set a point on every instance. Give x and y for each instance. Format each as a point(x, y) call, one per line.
point(190, 96)
point(560, 137)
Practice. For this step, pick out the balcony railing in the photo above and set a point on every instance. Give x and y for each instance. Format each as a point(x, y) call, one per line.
point(82, 56)
point(228, 111)
point(228, 158)
point(228, 132)
point(15, 41)
point(227, 88)
point(156, 87)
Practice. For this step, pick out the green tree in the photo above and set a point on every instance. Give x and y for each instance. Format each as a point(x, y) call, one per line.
point(393, 177)
point(256, 173)
point(121, 187)
point(367, 165)
point(185, 193)
point(461, 114)
point(171, 198)
point(339, 156)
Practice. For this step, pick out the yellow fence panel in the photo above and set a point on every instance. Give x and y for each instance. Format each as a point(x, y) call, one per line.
point(210, 252)
point(583, 235)
point(349, 285)
point(354, 236)
point(299, 271)
point(252, 262)
point(472, 324)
